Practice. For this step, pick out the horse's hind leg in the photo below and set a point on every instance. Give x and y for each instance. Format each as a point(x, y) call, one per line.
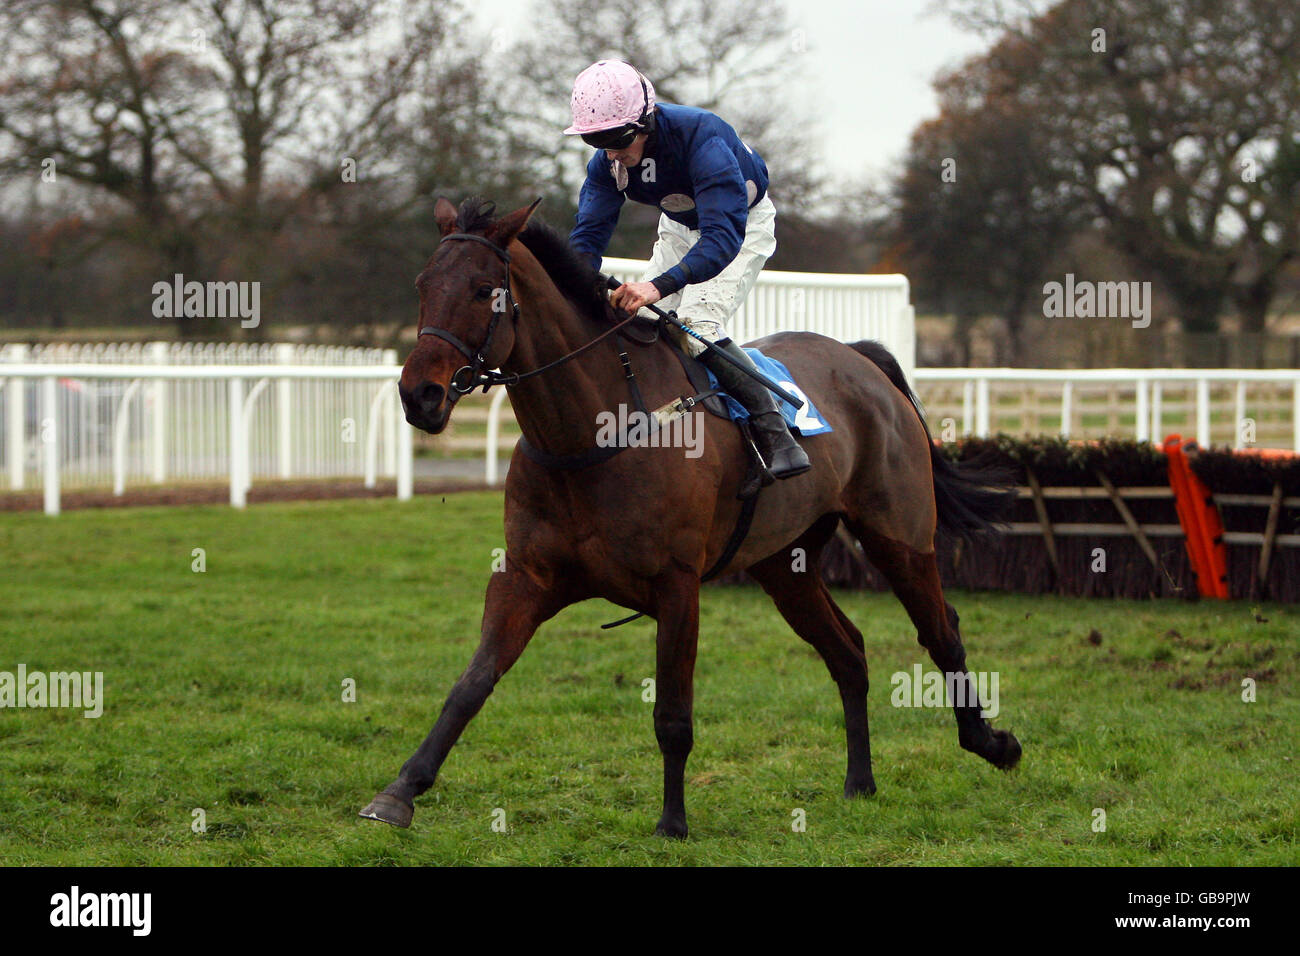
point(804, 602)
point(914, 576)
point(677, 613)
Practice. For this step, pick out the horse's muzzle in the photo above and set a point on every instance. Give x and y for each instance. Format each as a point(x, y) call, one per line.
point(426, 406)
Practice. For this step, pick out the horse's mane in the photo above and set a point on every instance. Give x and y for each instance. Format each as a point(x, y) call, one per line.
point(573, 275)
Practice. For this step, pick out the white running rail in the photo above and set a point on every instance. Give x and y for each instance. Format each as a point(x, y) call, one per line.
point(86, 416)
point(101, 415)
point(842, 306)
point(318, 413)
point(1142, 392)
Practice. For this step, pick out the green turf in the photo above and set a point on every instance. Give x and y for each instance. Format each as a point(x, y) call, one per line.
point(223, 692)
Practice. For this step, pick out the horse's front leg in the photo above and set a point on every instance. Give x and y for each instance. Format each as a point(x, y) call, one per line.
point(514, 609)
point(678, 615)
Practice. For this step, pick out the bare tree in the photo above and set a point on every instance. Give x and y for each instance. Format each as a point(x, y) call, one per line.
point(207, 117)
point(1178, 121)
point(978, 216)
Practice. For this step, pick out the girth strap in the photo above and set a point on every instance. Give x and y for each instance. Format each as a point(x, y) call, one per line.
point(738, 535)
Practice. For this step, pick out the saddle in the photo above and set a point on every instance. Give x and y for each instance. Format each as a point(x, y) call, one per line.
point(707, 397)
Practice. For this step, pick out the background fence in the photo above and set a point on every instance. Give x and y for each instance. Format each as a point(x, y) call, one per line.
point(1239, 408)
point(114, 415)
point(121, 427)
point(1229, 407)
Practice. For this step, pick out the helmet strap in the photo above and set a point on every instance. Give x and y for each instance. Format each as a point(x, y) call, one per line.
point(646, 120)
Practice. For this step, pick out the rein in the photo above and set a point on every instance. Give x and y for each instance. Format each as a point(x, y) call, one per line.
point(469, 377)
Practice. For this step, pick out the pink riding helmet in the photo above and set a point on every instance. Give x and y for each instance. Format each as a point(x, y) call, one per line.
point(609, 94)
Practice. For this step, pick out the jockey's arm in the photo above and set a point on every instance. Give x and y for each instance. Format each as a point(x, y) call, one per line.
point(599, 204)
point(722, 204)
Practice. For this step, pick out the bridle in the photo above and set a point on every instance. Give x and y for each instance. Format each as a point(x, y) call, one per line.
point(469, 377)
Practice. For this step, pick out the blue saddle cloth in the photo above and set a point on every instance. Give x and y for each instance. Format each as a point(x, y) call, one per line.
point(806, 420)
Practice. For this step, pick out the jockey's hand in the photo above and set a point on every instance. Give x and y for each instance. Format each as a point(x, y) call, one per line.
point(631, 296)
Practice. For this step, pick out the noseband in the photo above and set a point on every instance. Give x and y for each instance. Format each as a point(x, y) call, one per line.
point(469, 377)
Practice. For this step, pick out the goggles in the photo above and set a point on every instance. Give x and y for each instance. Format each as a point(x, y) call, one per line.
point(618, 138)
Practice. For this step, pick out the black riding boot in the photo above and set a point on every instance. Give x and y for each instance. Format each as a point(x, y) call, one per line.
point(785, 458)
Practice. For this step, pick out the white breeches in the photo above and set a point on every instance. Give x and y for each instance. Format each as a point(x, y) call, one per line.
point(708, 306)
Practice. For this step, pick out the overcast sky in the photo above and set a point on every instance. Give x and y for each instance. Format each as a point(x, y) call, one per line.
point(869, 67)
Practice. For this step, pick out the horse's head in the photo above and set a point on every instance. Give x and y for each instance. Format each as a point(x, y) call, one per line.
point(467, 310)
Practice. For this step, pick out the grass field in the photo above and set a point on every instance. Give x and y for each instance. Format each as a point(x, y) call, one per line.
point(223, 692)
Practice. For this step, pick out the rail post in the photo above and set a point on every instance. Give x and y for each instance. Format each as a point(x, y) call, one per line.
point(238, 445)
point(405, 452)
point(284, 355)
point(392, 421)
point(1143, 414)
point(15, 418)
point(159, 353)
point(1203, 411)
point(49, 431)
point(493, 437)
point(982, 408)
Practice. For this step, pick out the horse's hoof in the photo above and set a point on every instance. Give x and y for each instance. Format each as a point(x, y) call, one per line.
point(672, 829)
point(388, 809)
point(867, 789)
point(1008, 752)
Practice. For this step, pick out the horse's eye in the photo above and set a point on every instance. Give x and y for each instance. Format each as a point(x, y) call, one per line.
point(484, 292)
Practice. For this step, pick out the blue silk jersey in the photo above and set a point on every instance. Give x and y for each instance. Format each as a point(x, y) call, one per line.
point(698, 172)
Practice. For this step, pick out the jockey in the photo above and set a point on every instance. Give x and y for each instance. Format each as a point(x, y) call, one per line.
point(716, 227)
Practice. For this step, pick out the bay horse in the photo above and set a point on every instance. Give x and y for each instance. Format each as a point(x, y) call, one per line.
point(639, 528)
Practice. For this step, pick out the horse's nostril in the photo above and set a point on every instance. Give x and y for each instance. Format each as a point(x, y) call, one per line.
point(429, 396)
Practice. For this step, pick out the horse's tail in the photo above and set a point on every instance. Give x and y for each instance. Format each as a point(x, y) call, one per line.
point(971, 497)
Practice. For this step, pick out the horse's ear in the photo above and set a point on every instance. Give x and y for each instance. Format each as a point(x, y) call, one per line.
point(507, 227)
point(445, 213)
